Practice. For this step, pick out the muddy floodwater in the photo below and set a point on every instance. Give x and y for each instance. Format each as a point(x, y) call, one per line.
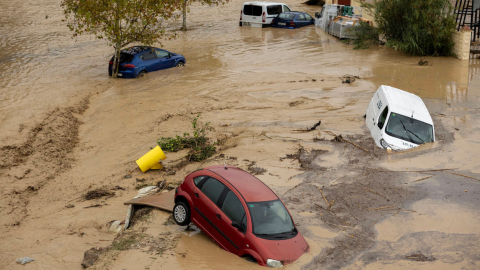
point(66, 128)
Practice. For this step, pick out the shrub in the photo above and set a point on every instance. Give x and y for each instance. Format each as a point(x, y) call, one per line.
point(366, 35)
point(199, 145)
point(418, 27)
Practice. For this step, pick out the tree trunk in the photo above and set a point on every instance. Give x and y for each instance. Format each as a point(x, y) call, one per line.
point(184, 26)
point(116, 60)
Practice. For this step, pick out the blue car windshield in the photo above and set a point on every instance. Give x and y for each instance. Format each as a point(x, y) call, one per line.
point(271, 219)
point(286, 16)
point(409, 129)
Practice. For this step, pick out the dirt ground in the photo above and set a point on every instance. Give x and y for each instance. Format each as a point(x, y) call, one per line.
point(67, 130)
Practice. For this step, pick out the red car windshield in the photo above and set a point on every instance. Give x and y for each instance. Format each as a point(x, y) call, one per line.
point(271, 220)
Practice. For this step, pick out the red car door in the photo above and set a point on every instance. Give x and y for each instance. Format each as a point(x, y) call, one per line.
point(205, 197)
point(231, 210)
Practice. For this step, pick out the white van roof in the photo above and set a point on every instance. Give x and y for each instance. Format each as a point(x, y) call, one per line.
point(406, 103)
point(262, 3)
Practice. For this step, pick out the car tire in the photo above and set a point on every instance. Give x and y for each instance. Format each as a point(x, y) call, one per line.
point(181, 214)
point(180, 64)
point(141, 74)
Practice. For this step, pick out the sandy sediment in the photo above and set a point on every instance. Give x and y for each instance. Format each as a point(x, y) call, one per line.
point(72, 131)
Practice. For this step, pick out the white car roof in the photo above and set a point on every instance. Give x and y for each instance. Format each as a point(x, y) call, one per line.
point(406, 103)
point(262, 3)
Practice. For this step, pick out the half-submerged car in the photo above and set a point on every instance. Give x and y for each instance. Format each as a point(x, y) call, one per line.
point(239, 213)
point(292, 19)
point(136, 61)
point(398, 120)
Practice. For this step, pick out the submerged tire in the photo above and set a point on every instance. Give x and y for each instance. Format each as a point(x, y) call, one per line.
point(181, 214)
point(141, 74)
point(250, 258)
point(180, 64)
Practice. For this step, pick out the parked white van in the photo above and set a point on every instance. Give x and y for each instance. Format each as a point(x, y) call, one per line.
point(260, 14)
point(398, 120)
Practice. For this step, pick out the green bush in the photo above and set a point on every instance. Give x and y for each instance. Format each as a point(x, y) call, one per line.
point(366, 35)
point(418, 27)
point(199, 145)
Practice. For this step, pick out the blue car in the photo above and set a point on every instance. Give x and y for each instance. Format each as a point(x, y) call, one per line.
point(138, 60)
point(292, 19)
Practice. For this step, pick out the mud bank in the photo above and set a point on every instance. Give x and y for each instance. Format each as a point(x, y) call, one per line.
point(28, 167)
point(260, 89)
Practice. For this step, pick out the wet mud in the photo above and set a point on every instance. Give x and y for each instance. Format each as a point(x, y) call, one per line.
point(67, 130)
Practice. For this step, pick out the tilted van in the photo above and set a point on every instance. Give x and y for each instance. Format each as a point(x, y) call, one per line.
point(260, 14)
point(398, 120)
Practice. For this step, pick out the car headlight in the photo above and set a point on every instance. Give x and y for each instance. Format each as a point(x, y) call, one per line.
point(274, 263)
point(385, 144)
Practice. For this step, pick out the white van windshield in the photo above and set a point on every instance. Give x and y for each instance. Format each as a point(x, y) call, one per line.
point(409, 129)
point(274, 10)
point(252, 10)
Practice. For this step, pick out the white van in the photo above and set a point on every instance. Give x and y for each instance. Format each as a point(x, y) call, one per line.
point(260, 14)
point(398, 120)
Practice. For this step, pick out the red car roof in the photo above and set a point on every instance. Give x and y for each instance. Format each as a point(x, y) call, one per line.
point(251, 188)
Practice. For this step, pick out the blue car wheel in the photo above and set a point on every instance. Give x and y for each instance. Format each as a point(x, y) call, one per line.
point(141, 74)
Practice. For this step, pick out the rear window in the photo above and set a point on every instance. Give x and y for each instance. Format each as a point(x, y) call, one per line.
point(126, 58)
point(286, 16)
point(252, 10)
point(274, 10)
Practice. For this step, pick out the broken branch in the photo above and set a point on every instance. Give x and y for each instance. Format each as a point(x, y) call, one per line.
point(340, 138)
point(381, 208)
point(465, 176)
point(422, 179)
point(437, 170)
point(324, 197)
point(374, 192)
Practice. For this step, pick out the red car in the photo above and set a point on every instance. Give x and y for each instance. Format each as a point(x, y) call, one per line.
point(241, 214)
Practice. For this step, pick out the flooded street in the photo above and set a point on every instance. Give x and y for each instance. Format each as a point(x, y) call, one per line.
point(67, 128)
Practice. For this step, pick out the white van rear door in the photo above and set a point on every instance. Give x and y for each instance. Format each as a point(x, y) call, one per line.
point(252, 15)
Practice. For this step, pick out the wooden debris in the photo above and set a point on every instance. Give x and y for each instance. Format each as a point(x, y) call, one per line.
point(465, 176)
point(422, 179)
point(324, 197)
point(374, 192)
point(290, 189)
point(95, 205)
point(385, 207)
point(436, 170)
point(405, 210)
point(340, 138)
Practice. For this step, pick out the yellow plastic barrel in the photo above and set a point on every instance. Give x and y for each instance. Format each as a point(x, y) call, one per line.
point(151, 160)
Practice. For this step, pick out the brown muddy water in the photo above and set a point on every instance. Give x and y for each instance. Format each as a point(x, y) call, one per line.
point(66, 128)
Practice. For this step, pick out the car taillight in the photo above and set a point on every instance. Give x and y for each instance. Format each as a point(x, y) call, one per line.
point(241, 15)
point(263, 17)
point(292, 24)
point(129, 66)
point(110, 63)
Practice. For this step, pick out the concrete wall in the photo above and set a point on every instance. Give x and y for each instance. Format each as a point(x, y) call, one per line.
point(462, 44)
